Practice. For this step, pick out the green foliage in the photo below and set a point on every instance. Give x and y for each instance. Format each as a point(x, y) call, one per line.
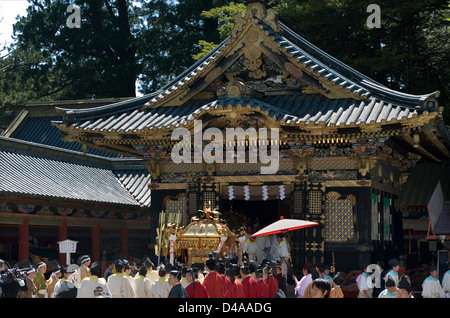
point(224, 15)
point(121, 41)
point(49, 59)
point(169, 37)
point(206, 48)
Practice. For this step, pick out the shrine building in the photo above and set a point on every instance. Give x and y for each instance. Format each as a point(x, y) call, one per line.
point(345, 145)
point(51, 191)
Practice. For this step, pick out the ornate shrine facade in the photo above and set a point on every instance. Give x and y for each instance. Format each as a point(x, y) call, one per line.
point(345, 143)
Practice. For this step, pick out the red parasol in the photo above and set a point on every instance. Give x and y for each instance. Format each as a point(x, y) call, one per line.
point(284, 225)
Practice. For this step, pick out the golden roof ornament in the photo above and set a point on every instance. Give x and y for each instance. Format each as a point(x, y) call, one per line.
point(235, 89)
point(207, 211)
point(205, 235)
point(259, 10)
point(256, 9)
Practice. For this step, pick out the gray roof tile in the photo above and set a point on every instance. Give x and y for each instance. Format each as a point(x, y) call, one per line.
point(24, 172)
point(293, 109)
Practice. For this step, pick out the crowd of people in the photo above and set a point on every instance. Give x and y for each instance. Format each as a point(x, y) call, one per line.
point(387, 283)
point(215, 278)
point(261, 273)
point(256, 276)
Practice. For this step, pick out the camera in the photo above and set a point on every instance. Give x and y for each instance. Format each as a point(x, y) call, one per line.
point(16, 274)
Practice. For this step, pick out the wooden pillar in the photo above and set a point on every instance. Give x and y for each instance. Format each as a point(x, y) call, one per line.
point(409, 242)
point(24, 233)
point(298, 208)
point(62, 236)
point(95, 243)
point(124, 240)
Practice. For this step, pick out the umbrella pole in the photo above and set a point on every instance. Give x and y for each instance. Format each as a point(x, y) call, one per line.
point(290, 264)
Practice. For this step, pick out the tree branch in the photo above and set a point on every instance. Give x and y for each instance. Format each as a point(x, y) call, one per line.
point(56, 90)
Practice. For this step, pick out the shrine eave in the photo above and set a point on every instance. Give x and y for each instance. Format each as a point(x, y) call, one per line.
point(305, 114)
point(35, 171)
point(345, 120)
point(335, 100)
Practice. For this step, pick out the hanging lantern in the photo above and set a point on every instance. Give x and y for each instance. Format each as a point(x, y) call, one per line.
point(282, 192)
point(230, 192)
point(247, 193)
point(265, 193)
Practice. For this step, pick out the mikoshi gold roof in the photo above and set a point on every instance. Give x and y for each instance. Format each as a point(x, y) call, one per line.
point(206, 234)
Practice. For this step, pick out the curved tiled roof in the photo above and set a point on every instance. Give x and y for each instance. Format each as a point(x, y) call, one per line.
point(136, 182)
point(379, 102)
point(52, 178)
point(40, 130)
point(291, 109)
point(35, 170)
point(339, 73)
point(422, 182)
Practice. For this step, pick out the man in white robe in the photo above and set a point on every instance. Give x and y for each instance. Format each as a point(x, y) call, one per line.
point(160, 287)
point(365, 285)
point(251, 248)
point(394, 265)
point(143, 285)
point(446, 282)
point(282, 253)
point(263, 243)
point(152, 274)
point(94, 285)
point(118, 283)
point(431, 288)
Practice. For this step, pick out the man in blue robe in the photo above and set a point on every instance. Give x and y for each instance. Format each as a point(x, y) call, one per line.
point(177, 291)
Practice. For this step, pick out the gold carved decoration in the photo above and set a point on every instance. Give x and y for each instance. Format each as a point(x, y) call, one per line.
point(235, 89)
point(239, 22)
point(271, 19)
point(257, 74)
point(154, 168)
point(213, 74)
point(210, 169)
point(366, 164)
point(301, 165)
point(256, 9)
point(252, 36)
point(294, 70)
point(253, 61)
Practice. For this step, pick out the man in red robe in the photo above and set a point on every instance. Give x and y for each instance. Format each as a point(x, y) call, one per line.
point(226, 281)
point(271, 281)
point(248, 283)
point(235, 290)
point(262, 289)
point(213, 282)
point(195, 289)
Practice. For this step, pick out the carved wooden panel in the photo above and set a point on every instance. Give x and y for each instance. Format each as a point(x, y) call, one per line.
point(339, 218)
